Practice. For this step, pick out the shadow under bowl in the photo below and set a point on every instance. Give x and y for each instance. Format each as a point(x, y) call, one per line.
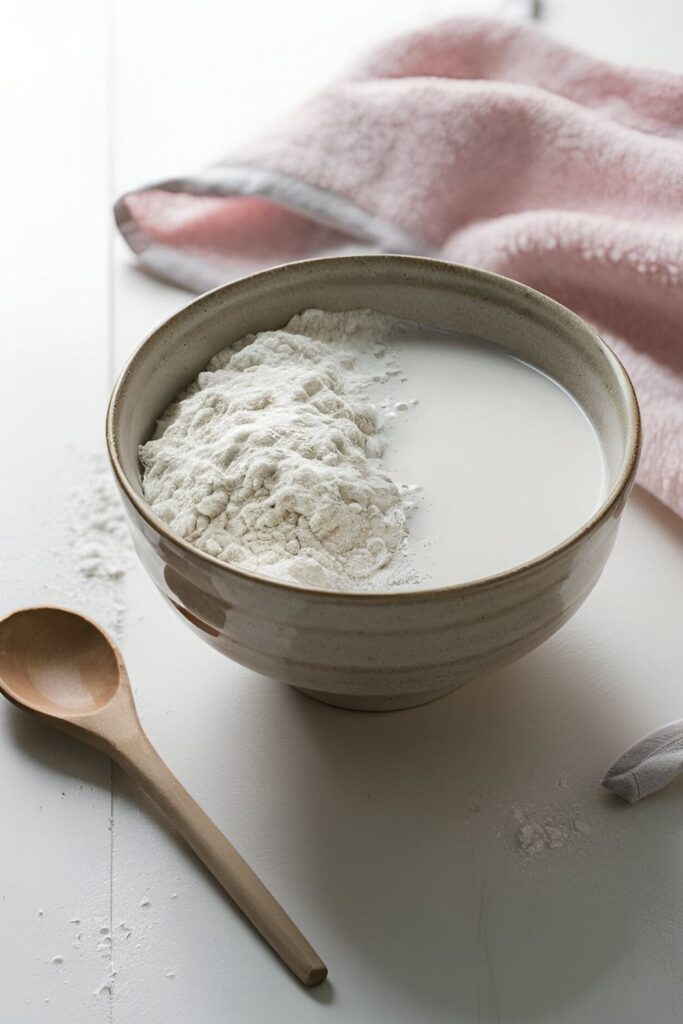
point(376, 651)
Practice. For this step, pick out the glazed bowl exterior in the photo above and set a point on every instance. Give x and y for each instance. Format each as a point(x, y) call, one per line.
point(376, 650)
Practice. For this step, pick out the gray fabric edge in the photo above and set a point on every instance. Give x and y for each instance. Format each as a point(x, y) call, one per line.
point(323, 207)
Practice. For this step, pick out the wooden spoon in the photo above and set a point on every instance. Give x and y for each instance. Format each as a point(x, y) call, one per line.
point(62, 667)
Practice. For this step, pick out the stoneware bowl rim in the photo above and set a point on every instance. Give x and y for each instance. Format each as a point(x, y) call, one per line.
point(620, 487)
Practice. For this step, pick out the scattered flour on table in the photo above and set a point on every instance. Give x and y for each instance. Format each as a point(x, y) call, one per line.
point(271, 459)
point(107, 986)
point(535, 837)
point(75, 540)
point(105, 943)
point(97, 553)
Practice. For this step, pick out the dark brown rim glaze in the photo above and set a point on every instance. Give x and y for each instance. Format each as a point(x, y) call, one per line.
point(605, 510)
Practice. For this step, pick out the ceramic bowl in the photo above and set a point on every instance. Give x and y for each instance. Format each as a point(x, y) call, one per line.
point(376, 651)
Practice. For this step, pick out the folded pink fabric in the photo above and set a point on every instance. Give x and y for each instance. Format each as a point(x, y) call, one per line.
point(482, 142)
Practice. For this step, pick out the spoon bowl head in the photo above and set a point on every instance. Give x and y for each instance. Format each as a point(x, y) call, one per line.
point(57, 662)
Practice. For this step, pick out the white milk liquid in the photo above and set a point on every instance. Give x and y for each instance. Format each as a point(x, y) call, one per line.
point(507, 463)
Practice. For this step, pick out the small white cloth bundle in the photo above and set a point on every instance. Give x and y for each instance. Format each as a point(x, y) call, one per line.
point(648, 765)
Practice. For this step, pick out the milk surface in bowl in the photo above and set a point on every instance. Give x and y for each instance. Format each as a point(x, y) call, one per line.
point(508, 463)
point(279, 456)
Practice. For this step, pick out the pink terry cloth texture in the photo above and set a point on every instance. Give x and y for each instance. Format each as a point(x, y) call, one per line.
point(479, 141)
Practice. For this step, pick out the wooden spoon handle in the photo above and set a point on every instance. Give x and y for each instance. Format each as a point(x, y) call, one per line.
point(139, 758)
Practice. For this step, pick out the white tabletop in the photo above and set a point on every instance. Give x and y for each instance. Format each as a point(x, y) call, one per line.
point(391, 839)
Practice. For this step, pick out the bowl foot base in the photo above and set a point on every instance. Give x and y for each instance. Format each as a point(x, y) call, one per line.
point(355, 702)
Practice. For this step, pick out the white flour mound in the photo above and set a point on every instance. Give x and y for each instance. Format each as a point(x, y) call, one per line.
point(270, 460)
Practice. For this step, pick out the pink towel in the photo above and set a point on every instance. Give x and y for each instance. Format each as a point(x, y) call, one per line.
point(482, 142)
